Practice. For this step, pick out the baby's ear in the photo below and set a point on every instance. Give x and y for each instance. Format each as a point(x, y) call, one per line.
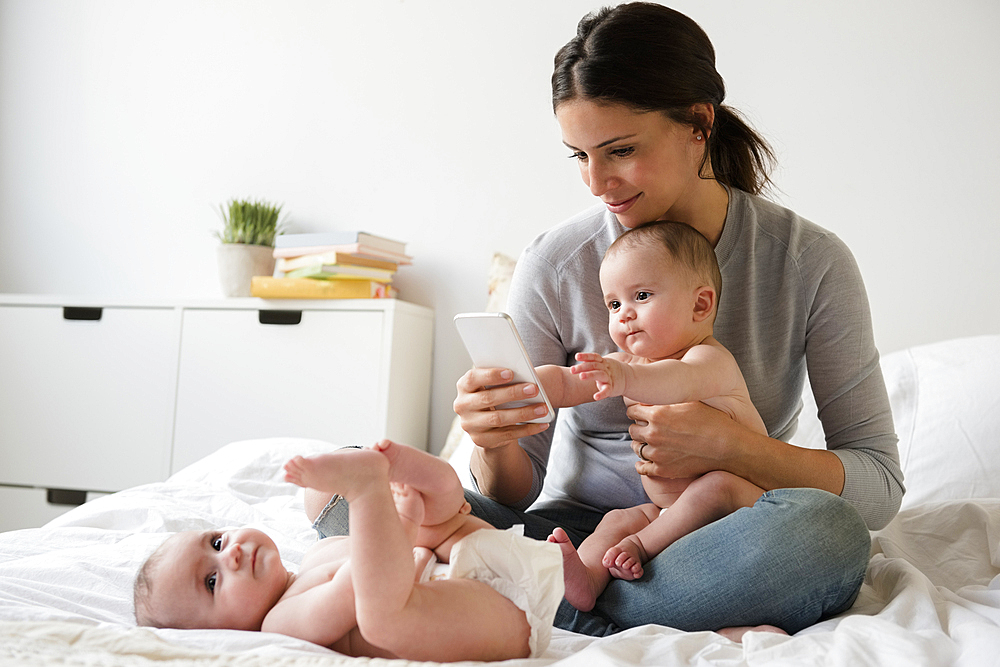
point(466, 508)
point(704, 303)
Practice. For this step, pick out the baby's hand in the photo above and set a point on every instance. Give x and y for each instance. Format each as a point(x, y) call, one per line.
point(607, 373)
point(409, 502)
point(424, 560)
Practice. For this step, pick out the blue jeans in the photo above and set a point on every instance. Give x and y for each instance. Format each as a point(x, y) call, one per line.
point(797, 556)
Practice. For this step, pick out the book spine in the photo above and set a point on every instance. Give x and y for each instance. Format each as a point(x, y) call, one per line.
point(326, 272)
point(317, 239)
point(319, 259)
point(354, 249)
point(267, 287)
point(339, 238)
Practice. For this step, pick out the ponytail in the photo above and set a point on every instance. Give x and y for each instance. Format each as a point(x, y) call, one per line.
point(740, 157)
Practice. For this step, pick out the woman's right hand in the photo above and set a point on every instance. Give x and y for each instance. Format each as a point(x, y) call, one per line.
point(502, 469)
point(489, 427)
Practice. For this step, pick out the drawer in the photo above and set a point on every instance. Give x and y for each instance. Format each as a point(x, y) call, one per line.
point(320, 377)
point(30, 508)
point(86, 403)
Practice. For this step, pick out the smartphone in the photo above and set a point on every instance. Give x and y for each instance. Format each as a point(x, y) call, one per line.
point(493, 342)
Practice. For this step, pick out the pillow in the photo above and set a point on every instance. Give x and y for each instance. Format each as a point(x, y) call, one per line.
point(501, 270)
point(944, 403)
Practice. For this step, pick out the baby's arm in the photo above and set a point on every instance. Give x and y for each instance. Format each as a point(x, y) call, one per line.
point(563, 387)
point(322, 613)
point(705, 371)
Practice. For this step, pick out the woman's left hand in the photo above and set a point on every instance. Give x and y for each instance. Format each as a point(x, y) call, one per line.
point(683, 440)
point(690, 439)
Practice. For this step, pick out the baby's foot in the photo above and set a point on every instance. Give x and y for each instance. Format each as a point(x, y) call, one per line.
point(391, 450)
point(409, 465)
point(625, 559)
point(341, 471)
point(581, 590)
point(404, 461)
point(735, 634)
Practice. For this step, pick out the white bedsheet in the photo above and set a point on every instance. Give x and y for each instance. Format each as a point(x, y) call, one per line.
point(931, 596)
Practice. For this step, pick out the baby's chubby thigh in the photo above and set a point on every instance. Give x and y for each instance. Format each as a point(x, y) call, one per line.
point(663, 491)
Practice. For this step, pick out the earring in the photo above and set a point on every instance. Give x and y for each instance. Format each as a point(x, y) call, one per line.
point(698, 137)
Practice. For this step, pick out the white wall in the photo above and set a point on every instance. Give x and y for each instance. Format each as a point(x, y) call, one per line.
point(124, 124)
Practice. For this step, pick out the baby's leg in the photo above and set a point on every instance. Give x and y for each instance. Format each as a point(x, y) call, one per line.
point(583, 571)
point(708, 498)
point(664, 492)
point(431, 476)
point(382, 566)
point(458, 620)
point(344, 471)
point(315, 501)
point(448, 621)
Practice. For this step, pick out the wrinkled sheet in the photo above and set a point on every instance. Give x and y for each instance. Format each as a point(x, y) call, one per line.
point(931, 596)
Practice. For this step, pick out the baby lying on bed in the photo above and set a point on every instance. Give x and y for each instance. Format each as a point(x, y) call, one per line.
point(369, 593)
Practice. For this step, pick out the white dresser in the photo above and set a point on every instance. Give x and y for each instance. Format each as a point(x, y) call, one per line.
point(97, 397)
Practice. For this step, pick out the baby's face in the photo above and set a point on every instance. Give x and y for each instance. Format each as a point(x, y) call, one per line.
point(650, 302)
point(218, 579)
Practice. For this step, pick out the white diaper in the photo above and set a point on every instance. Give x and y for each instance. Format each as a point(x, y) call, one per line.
point(525, 571)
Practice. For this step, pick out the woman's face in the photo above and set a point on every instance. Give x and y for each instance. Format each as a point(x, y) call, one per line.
point(642, 165)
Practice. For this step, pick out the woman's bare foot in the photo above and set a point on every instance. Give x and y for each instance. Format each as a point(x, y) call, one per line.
point(625, 559)
point(736, 633)
point(581, 589)
point(344, 471)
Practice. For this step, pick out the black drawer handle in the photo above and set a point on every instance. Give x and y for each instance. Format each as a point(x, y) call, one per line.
point(78, 313)
point(279, 316)
point(65, 496)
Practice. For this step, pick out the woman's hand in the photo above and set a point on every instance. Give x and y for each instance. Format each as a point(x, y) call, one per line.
point(488, 427)
point(690, 439)
point(501, 468)
point(683, 440)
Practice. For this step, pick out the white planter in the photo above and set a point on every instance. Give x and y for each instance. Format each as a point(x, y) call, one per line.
point(239, 262)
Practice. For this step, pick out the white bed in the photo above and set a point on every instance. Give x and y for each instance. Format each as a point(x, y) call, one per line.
point(931, 597)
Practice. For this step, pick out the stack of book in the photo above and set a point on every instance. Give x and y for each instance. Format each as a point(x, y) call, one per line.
point(332, 265)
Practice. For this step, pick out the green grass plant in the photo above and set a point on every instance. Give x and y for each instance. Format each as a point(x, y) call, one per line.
point(250, 222)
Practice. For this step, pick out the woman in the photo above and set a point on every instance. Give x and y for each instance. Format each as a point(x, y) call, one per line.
point(639, 103)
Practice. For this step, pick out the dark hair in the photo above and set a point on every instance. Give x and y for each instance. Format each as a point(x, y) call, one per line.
point(685, 245)
point(652, 58)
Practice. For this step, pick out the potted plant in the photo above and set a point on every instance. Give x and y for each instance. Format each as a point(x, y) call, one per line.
point(247, 236)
